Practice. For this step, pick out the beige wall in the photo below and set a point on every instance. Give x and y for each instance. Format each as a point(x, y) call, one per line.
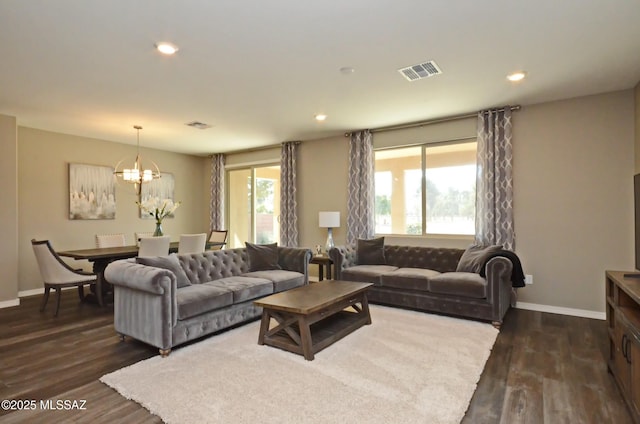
point(322, 186)
point(43, 194)
point(573, 197)
point(8, 211)
point(637, 127)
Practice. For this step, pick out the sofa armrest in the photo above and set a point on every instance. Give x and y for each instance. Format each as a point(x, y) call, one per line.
point(498, 274)
point(144, 302)
point(295, 259)
point(140, 277)
point(343, 257)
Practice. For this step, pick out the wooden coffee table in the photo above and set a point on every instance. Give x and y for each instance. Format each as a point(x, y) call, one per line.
point(312, 317)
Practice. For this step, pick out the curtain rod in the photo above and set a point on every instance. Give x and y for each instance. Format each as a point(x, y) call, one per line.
point(257, 149)
point(432, 121)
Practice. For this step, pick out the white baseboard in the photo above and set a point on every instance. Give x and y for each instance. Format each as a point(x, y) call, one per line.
point(9, 303)
point(32, 292)
point(583, 313)
point(16, 302)
point(25, 293)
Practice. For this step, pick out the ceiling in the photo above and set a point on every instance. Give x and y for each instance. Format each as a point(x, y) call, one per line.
point(258, 71)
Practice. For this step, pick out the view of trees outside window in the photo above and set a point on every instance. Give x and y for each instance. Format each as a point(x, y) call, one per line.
point(253, 197)
point(383, 202)
point(413, 201)
point(451, 198)
point(447, 205)
point(239, 201)
point(265, 210)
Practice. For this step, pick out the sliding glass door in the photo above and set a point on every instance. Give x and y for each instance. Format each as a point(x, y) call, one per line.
point(253, 196)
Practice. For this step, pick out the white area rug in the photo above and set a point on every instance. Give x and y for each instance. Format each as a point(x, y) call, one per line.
point(407, 367)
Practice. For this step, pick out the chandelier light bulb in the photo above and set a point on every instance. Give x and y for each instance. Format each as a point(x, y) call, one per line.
point(138, 174)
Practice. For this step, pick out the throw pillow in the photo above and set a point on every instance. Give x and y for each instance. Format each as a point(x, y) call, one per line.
point(262, 257)
point(370, 252)
point(171, 262)
point(474, 257)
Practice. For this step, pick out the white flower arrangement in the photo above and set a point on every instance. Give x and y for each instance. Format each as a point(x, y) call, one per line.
point(157, 208)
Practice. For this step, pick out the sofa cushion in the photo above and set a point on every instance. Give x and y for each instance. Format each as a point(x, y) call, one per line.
point(200, 298)
point(474, 257)
point(367, 273)
point(171, 263)
point(281, 278)
point(464, 284)
point(244, 288)
point(262, 256)
point(409, 278)
point(370, 252)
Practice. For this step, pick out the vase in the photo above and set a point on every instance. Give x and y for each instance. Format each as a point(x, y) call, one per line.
point(158, 231)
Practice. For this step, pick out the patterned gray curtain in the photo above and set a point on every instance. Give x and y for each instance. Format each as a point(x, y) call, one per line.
point(494, 186)
point(360, 204)
point(288, 203)
point(216, 210)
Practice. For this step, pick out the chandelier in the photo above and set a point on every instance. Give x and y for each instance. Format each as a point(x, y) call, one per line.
point(140, 173)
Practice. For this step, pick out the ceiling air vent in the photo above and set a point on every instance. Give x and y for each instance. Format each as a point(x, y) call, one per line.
point(198, 125)
point(420, 71)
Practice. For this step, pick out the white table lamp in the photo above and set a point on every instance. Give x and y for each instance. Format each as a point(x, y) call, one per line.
point(329, 220)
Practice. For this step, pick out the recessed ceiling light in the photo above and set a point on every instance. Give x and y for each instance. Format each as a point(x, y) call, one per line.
point(516, 76)
point(199, 125)
point(166, 48)
point(347, 70)
point(320, 117)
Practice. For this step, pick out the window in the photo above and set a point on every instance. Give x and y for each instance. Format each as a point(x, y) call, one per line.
point(254, 205)
point(444, 204)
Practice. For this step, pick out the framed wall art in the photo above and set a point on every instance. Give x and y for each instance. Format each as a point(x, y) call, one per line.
point(92, 192)
point(156, 192)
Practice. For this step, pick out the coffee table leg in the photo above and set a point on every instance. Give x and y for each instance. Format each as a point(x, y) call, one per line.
point(264, 326)
point(305, 338)
point(365, 308)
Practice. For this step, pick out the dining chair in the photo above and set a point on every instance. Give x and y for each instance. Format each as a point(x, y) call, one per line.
point(110, 240)
point(154, 246)
point(218, 236)
point(138, 236)
point(192, 243)
point(56, 274)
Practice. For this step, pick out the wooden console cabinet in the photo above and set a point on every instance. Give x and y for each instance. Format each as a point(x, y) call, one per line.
point(623, 322)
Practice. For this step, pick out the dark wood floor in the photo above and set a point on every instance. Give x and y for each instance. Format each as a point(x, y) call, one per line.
point(544, 368)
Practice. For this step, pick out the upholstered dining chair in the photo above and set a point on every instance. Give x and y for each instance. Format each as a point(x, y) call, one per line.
point(138, 236)
point(154, 246)
point(56, 274)
point(110, 240)
point(218, 236)
point(192, 243)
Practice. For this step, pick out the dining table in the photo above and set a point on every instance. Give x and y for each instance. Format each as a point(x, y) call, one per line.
point(103, 256)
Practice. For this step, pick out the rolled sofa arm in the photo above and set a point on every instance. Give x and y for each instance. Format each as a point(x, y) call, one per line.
point(145, 303)
point(127, 273)
point(343, 257)
point(499, 286)
point(295, 259)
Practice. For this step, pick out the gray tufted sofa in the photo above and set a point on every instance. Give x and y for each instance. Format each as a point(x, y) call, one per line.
point(425, 278)
point(149, 306)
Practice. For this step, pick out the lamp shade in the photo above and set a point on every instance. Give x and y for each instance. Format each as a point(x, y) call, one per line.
point(329, 219)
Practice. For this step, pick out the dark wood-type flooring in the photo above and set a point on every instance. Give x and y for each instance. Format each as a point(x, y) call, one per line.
point(544, 368)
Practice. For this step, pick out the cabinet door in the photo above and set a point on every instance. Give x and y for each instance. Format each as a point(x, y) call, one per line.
point(621, 364)
point(634, 357)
